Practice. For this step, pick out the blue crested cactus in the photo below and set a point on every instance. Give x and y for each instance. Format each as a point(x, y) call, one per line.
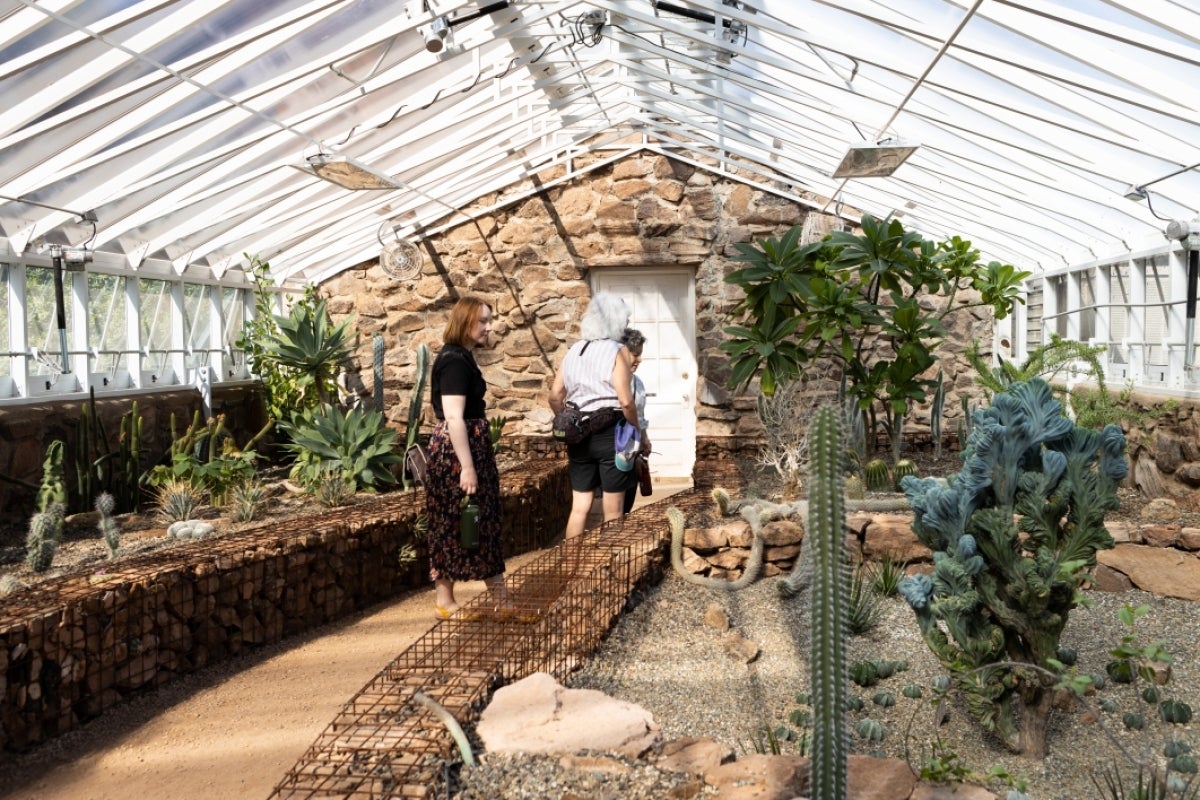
point(1014, 535)
point(830, 592)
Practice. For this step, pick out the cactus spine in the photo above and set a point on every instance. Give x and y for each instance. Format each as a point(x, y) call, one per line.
point(377, 350)
point(827, 659)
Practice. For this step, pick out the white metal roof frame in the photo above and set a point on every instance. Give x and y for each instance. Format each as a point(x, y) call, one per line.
point(184, 126)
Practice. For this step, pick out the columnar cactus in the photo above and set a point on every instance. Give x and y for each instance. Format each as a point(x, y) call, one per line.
point(1013, 536)
point(378, 349)
point(830, 589)
point(413, 430)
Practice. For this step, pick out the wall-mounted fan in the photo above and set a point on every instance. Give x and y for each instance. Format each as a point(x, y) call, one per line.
point(399, 258)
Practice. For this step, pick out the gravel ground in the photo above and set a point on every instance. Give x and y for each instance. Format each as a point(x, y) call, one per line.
point(662, 657)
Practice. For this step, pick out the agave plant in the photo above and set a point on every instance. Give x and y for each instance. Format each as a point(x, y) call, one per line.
point(356, 442)
point(308, 342)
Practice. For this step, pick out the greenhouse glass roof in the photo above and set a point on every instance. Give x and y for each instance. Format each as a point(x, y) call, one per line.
point(189, 129)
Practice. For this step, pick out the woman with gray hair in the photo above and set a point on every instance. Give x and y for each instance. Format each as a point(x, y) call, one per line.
point(596, 376)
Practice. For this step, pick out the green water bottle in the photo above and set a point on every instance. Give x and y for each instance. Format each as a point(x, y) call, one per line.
point(468, 527)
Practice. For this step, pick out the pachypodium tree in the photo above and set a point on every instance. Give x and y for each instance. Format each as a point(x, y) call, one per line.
point(1014, 536)
point(837, 297)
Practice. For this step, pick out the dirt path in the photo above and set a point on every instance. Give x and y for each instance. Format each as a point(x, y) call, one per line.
point(230, 731)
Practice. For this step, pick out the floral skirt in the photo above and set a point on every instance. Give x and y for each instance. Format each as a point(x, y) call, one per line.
point(447, 558)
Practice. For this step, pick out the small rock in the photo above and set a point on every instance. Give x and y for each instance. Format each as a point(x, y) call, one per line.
point(1161, 509)
point(715, 617)
point(739, 647)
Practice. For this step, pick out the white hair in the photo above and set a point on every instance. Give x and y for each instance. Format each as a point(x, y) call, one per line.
point(606, 318)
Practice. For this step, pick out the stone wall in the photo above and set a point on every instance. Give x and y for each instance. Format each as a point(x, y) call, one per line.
point(531, 261)
point(1164, 445)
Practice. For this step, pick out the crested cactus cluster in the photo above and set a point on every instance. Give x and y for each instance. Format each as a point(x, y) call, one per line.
point(830, 590)
point(1014, 536)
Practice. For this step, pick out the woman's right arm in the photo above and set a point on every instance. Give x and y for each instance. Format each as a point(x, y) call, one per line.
point(622, 381)
point(558, 393)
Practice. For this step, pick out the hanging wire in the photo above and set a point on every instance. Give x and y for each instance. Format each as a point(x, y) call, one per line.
point(1146, 194)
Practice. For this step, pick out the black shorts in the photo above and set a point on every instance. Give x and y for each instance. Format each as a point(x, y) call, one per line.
point(592, 463)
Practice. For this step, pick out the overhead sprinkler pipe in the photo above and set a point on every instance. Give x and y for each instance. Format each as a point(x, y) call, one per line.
point(690, 13)
point(60, 307)
point(483, 12)
point(1190, 320)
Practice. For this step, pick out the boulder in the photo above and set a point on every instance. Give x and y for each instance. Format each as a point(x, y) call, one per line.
point(538, 715)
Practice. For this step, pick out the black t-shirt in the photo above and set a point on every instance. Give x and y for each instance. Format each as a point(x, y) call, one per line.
point(456, 373)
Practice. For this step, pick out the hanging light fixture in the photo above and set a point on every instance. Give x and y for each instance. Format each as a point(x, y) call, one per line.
point(349, 174)
point(879, 160)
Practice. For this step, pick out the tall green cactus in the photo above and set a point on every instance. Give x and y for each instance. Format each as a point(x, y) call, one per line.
point(1013, 536)
point(936, 406)
point(46, 526)
point(413, 430)
point(378, 349)
point(827, 659)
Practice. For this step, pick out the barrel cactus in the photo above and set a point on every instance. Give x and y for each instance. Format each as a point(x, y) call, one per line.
point(1014, 535)
point(1175, 712)
point(877, 475)
point(870, 730)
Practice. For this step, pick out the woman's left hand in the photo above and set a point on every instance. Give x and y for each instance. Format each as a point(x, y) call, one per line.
point(468, 481)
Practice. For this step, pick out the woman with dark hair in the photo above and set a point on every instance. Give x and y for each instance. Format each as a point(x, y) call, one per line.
point(596, 377)
point(635, 342)
point(462, 462)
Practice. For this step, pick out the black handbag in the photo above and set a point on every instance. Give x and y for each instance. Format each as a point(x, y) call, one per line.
point(568, 425)
point(572, 426)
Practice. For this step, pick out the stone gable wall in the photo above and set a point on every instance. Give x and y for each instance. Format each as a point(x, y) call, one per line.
point(531, 259)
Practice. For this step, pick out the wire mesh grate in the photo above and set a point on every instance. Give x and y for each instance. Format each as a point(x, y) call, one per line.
point(386, 744)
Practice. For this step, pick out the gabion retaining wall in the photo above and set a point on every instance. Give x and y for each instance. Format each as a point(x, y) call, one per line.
point(78, 644)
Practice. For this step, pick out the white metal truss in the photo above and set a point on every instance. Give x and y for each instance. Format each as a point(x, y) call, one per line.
point(184, 126)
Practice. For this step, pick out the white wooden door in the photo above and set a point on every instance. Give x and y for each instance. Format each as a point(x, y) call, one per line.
point(663, 304)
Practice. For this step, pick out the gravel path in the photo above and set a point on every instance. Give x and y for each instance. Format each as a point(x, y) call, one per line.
point(662, 656)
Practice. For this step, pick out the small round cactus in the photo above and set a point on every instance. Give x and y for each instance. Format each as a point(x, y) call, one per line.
point(877, 475)
point(1175, 712)
point(870, 730)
